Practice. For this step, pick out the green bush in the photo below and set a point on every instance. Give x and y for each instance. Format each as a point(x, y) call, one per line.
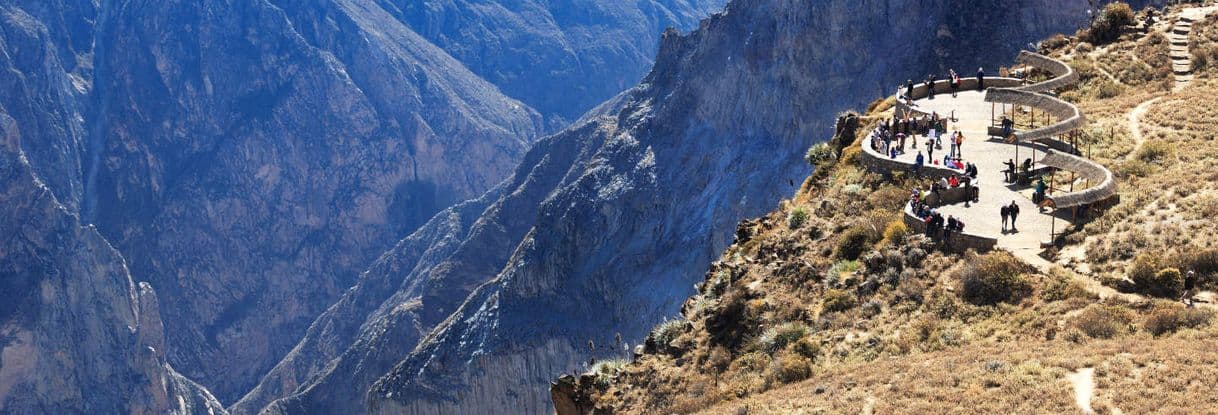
point(1170, 317)
point(797, 218)
point(837, 300)
point(853, 243)
point(1155, 151)
point(819, 154)
point(778, 337)
point(666, 332)
point(993, 278)
point(606, 370)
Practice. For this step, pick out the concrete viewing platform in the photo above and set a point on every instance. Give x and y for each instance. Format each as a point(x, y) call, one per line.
point(972, 112)
point(983, 218)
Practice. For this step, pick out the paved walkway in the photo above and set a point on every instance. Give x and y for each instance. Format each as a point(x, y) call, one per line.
point(983, 218)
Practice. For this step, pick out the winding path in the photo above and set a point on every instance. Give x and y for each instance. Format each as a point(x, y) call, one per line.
point(1135, 125)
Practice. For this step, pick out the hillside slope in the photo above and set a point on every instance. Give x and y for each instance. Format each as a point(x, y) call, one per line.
point(828, 304)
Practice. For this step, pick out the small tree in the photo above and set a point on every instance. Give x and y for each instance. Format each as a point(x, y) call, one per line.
point(797, 218)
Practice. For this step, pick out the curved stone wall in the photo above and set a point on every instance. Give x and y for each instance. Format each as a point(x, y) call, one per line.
point(1069, 119)
point(1064, 75)
point(944, 87)
point(1069, 116)
point(1088, 169)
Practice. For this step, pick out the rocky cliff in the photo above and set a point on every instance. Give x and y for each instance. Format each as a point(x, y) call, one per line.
point(257, 155)
point(561, 58)
point(77, 336)
point(613, 220)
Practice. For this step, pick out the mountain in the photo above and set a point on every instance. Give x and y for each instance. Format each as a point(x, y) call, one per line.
point(560, 57)
point(254, 156)
point(605, 226)
point(77, 336)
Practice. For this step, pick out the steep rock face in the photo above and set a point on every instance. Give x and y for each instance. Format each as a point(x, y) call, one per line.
point(258, 154)
point(362, 336)
point(76, 334)
point(714, 134)
point(560, 57)
point(45, 55)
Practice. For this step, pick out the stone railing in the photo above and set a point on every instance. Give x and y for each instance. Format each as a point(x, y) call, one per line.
point(1069, 118)
point(944, 86)
point(1063, 74)
point(1090, 170)
point(955, 241)
point(875, 162)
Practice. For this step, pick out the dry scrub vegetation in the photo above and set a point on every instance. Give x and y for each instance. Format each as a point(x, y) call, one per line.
point(1169, 183)
point(829, 305)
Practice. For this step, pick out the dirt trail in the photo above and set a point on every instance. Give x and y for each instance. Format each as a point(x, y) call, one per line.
point(1135, 125)
point(1084, 388)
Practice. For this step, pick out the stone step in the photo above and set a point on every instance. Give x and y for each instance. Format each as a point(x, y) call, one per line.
point(1180, 31)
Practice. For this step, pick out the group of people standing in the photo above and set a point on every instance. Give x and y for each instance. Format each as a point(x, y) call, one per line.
point(953, 82)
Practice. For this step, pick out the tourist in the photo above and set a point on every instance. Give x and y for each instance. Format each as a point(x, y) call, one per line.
point(955, 81)
point(959, 137)
point(980, 79)
point(930, 150)
point(1190, 288)
point(918, 161)
point(909, 86)
point(1008, 127)
point(1006, 213)
point(1010, 173)
point(1027, 165)
point(953, 182)
point(892, 152)
point(930, 86)
point(1014, 215)
point(901, 138)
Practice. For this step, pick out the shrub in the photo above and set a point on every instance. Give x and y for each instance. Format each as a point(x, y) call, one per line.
point(788, 367)
point(797, 218)
point(806, 347)
point(895, 232)
point(605, 371)
point(752, 362)
point(993, 278)
point(837, 300)
point(779, 337)
point(1204, 262)
point(1155, 151)
point(1104, 321)
point(819, 154)
point(1150, 277)
point(1060, 287)
point(666, 332)
point(842, 267)
point(1107, 26)
point(852, 244)
point(1167, 318)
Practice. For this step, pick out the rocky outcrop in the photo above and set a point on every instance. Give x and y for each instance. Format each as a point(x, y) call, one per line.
point(77, 336)
point(561, 58)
